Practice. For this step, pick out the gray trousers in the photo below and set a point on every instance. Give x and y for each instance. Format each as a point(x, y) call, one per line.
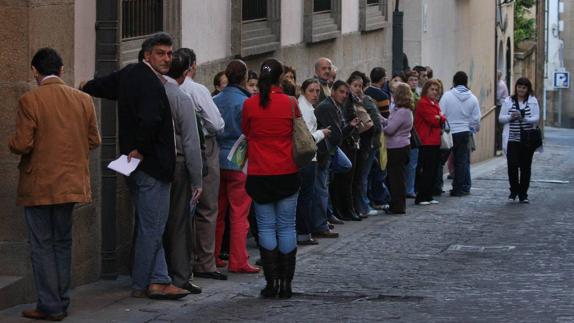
point(178, 231)
point(206, 214)
point(50, 234)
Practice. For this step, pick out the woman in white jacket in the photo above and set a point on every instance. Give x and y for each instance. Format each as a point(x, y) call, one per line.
point(518, 113)
point(310, 96)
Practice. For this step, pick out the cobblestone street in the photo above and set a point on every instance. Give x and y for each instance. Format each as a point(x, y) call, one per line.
point(477, 258)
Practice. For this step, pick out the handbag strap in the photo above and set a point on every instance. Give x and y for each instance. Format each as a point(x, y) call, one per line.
point(292, 100)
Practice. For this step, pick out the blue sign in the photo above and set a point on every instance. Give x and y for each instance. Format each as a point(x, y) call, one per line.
point(562, 80)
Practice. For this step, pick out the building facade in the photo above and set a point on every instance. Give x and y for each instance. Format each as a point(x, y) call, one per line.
point(98, 37)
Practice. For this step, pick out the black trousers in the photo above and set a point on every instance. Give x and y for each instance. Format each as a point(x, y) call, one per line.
point(396, 174)
point(426, 172)
point(341, 188)
point(519, 160)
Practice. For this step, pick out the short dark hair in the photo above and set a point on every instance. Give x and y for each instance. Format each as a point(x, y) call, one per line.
point(419, 69)
point(47, 61)
point(377, 74)
point(460, 78)
point(190, 53)
point(179, 64)
point(156, 39)
point(360, 74)
point(430, 73)
point(252, 75)
point(354, 77)
point(338, 84)
point(400, 75)
point(235, 71)
point(411, 73)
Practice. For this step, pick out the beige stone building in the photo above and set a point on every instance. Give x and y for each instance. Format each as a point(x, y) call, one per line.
point(97, 37)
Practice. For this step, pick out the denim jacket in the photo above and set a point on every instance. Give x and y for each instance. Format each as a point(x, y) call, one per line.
point(230, 105)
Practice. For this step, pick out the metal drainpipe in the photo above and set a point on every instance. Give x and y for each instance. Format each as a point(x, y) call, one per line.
point(107, 61)
point(398, 39)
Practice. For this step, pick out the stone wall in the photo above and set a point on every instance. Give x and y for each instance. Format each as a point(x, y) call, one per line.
point(28, 25)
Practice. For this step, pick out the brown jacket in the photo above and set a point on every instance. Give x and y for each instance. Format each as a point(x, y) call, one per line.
point(56, 128)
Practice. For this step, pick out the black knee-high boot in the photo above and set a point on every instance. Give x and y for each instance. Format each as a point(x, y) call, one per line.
point(270, 263)
point(287, 270)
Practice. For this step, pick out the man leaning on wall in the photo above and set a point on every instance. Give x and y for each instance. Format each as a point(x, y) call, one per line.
point(56, 127)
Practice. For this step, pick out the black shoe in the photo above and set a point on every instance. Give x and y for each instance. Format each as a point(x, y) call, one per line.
point(458, 194)
point(211, 275)
point(335, 220)
point(287, 270)
point(523, 198)
point(309, 242)
point(270, 262)
point(325, 234)
point(192, 288)
point(258, 262)
point(331, 226)
point(512, 196)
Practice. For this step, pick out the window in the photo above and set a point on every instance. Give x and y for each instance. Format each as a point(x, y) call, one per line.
point(322, 20)
point(256, 26)
point(141, 17)
point(254, 10)
point(373, 14)
point(321, 5)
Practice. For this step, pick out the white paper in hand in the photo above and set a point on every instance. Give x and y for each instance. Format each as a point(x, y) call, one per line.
point(122, 166)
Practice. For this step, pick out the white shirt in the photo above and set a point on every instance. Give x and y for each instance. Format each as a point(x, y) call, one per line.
point(308, 114)
point(210, 117)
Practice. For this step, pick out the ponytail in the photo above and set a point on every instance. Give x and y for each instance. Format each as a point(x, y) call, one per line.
point(271, 71)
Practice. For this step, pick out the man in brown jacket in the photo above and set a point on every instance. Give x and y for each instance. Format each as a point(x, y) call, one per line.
point(56, 128)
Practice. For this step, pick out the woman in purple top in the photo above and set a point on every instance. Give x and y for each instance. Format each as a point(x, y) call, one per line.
point(397, 129)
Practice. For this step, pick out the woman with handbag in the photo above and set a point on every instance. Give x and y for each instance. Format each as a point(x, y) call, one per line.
point(273, 182)
point(520, 115)
point(397, 129)
point(309, 98)
point(428, 124)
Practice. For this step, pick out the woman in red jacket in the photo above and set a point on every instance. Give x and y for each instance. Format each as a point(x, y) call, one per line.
point(272, 177)
point(428, 123)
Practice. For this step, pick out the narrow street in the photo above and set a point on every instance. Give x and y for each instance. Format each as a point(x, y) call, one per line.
point(477, 258)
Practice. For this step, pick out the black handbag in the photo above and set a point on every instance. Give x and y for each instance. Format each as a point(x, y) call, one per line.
point(415, 140)
point(531, 138)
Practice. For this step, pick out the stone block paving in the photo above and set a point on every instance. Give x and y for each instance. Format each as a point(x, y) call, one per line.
point(477, 258)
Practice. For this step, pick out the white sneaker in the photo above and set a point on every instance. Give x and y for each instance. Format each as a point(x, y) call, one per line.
point(373, 212)
point(424, 203)
point(433, 202)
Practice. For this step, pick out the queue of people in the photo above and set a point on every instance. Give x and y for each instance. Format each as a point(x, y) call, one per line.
point(378, 142)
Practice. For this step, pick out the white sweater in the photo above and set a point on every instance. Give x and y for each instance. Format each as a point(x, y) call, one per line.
point(308, 114)
point(461, 109)
point(505, 117)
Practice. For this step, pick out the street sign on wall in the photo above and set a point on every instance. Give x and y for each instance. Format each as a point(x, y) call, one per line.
point(561, 80)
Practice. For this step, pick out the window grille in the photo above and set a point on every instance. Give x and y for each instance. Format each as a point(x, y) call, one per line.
point(254, 10)
point(141, 17)
point(321, 5)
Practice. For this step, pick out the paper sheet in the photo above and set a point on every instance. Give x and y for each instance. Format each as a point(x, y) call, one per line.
point(122, 166)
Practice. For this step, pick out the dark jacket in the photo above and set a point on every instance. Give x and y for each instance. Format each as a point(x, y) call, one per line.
point(328, 114)
point(144, 116)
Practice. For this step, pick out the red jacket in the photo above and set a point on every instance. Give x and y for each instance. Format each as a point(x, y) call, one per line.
point(428, 127)
point(269, 133)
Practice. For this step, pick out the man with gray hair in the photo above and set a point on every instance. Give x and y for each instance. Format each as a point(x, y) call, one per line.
point(146, 133)
point(323, 70)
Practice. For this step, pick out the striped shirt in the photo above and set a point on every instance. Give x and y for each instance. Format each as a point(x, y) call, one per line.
point(517, 125)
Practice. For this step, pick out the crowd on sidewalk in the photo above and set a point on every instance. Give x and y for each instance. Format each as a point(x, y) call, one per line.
point(376, 142)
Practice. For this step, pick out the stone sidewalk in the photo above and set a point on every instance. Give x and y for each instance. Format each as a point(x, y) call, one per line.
point(477, 258)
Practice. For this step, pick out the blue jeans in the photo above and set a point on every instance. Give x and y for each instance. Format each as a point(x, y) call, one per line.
point(151, 203)
point(340, 163)
point(276, 224)
point(461, 154)
point(50, 234)
point(305, 200)
point(318, 220)
point(412, 171)
point(378, 192)
point(361, 199)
